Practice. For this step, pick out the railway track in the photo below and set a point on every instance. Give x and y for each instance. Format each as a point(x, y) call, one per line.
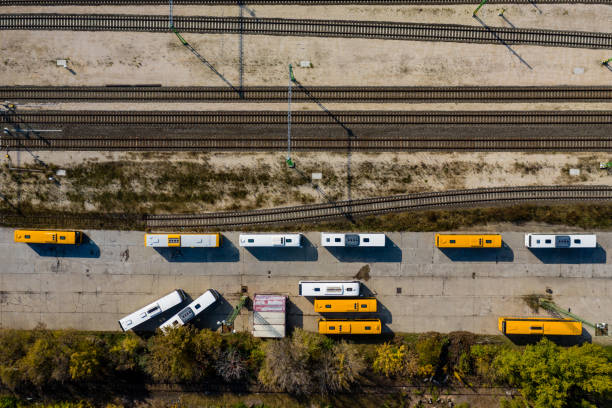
point(277, 2)
point(304, 118)
point(267, 144)
point(119, 93)
point(309, 28)
point(384, 205)
point(216, 131)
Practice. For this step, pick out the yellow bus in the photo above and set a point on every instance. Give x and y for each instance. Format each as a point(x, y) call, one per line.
point(551, 326)
point(345, 305)
point(468, 240)
point(49, 237)
point(344, 326)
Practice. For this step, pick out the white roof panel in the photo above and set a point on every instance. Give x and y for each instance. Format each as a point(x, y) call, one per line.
point(199, 240)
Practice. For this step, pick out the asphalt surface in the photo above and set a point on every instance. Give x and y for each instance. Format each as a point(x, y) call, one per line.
point(419, 287)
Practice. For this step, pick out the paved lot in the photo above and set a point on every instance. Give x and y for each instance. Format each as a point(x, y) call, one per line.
point(91, 286)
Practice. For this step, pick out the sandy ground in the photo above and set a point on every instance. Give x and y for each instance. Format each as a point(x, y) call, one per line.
point(282, 106)
point(371, 175)
point(581, 17)
point(100, 58)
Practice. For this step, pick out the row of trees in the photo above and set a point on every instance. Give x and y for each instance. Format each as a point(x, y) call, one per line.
point(305, 363)
point(548, 376)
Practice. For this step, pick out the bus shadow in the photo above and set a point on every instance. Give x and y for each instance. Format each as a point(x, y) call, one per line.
point(565, 341)
point(147, 328)
point(570, 256)
point(227, 252)
point(389, 253)
point(212, 317)
point(306, 253)
point(295, 317)
point(503, 254)
point(88, 249)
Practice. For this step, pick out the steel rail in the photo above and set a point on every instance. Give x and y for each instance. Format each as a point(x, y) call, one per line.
point(304, 118)
point(309, 28)
point(384, 205)
point(279, 2)
point(118, 93)
point(209, 144)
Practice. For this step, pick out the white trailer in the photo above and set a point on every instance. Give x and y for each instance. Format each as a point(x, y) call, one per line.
point(269, 315)
point(329, 239)
point(329, 288)
point(560, 241)
point(271, 240)
point(206, 301)
point(149, 311)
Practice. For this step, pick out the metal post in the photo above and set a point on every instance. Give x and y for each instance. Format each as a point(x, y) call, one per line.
point(290, 162)
point(479, 6)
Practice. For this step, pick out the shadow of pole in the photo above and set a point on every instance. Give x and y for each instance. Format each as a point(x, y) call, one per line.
point(21, 127)
point(203, 60)
point(507, 21)
point(241, 48)
point(347, 214)
point(8, 202)
point(494, 34)
point(533, 3)
point(315, 100)
point(349, 133)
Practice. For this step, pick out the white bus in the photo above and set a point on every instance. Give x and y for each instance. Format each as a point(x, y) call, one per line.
point(271, 240)
point(161, 305)
point(207, 300)
point(183, 240)
point(560, 241)
point(329, 288)
point(329, 239)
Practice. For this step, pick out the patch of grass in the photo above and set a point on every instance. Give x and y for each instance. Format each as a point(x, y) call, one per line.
point(533, 301)
point(597, 217)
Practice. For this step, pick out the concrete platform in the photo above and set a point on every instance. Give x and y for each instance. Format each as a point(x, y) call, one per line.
point(419, 287)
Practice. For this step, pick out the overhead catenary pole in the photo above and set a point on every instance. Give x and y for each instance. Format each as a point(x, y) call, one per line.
point(479, 6)
point(290, 162)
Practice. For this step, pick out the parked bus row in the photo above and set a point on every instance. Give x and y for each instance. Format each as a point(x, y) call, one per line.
point(341, 297)
point(214, 240)
point(546, 326)
point(171, 300)
point(534, 241)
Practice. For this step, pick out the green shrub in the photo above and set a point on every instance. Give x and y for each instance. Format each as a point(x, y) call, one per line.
point(482, 356)
point(429, 350)
point(126, 352)
point(551, 376)
point(390, 360)
point(171, 356)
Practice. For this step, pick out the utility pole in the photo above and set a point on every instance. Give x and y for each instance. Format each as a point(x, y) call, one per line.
point(290, 162)
point(479, 6)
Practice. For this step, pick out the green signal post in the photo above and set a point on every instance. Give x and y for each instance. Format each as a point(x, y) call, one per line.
point(479, 6)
